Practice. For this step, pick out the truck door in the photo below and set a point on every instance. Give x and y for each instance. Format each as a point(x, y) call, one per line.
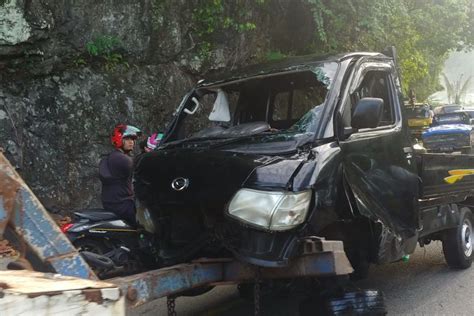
point(377, 162)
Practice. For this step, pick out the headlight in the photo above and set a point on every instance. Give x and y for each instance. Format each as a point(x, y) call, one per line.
point(270, 210)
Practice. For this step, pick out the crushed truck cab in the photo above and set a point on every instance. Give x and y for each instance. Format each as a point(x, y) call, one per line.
point(257, 162)
point(299, 168)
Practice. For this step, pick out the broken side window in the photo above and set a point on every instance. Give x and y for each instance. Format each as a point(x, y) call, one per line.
point(374, 84)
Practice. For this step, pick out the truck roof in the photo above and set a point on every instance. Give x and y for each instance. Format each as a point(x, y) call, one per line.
point(295, 63)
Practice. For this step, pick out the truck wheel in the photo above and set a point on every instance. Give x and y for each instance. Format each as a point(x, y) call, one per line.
point(457, 242)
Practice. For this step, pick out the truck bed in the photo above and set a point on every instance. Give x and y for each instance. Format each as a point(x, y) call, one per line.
point(434, 168)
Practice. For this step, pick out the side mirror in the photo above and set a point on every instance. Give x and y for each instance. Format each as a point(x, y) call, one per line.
point(368, 113)
point(196, 106)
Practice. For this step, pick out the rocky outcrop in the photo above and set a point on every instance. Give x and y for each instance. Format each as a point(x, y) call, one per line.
point(59, 125)
point(58, 103)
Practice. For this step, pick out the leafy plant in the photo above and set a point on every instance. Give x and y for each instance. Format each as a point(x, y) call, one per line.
point(102, 45)
point(113, 60)
point(275, 55)
point(79, 61)
point(104, 48)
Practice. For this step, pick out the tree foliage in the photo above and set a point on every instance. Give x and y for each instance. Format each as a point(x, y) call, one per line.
point(424, 32)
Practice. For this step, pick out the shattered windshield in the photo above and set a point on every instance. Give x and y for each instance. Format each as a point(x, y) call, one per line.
point(286, 102)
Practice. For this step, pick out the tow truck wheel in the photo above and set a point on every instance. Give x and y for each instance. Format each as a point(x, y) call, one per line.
point(458, 242)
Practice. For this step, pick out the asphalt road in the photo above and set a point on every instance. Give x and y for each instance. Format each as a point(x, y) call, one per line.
point(422, 286)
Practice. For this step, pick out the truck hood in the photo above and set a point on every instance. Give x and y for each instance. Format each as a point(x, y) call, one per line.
point(447, 129)
point(208, 176)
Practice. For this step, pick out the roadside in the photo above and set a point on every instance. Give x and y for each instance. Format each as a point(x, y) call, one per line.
point(422, 286)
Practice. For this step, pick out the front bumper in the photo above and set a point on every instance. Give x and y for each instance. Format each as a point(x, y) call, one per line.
point(273, 249)
point(266, 249)
point(446, 143)
point(446, 148)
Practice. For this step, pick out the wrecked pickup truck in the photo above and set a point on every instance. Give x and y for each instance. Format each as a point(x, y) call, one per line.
point(256, 162)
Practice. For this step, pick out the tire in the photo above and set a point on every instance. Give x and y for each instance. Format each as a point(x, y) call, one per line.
point(20, 264)
point(92, 245)
point(458, 242)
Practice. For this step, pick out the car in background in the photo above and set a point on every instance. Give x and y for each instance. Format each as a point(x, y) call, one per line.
point(450, 132)
point(448, 108)
point(470, 111)
point(419, 118)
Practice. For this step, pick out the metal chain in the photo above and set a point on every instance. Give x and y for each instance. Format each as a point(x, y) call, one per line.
point(257, 293)
point(171, 304)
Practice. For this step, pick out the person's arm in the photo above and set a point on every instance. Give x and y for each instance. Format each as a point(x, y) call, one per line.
point(120, 165)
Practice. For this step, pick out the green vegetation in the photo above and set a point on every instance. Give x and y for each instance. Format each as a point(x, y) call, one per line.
point(103, 48)
point(275, 55)
point(102, 45)
point(424, 32)
point(211, 18)
point(158, 9)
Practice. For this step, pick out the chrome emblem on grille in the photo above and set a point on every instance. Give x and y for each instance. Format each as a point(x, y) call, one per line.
point(179, 184)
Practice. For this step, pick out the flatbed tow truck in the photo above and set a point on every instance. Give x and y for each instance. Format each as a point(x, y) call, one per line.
point(31, 240)
point(369, 193)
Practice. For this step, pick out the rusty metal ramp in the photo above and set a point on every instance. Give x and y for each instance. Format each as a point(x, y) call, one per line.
point(22, 214)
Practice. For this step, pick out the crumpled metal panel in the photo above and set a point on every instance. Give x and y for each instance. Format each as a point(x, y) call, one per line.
point(20, 207)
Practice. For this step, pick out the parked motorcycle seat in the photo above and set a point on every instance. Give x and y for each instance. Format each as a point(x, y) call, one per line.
point(96, 215)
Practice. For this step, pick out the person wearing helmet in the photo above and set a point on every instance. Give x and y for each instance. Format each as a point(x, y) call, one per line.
point(115, 171)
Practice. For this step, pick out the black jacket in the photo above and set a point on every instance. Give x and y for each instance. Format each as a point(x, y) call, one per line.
point(117, 180)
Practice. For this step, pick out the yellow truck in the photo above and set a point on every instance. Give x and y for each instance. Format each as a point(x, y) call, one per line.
point(419, 118)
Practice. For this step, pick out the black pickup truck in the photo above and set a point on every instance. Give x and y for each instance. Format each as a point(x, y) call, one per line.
point(257, 160)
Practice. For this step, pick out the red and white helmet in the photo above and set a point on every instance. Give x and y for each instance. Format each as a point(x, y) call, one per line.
point(122, 131)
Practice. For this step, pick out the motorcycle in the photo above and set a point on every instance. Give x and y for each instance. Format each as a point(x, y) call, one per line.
point(110, 245)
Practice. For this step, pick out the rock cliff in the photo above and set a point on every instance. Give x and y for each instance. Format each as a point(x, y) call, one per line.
point(71, 69)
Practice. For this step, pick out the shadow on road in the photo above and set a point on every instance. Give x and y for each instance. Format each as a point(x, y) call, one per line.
point(422, 286)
